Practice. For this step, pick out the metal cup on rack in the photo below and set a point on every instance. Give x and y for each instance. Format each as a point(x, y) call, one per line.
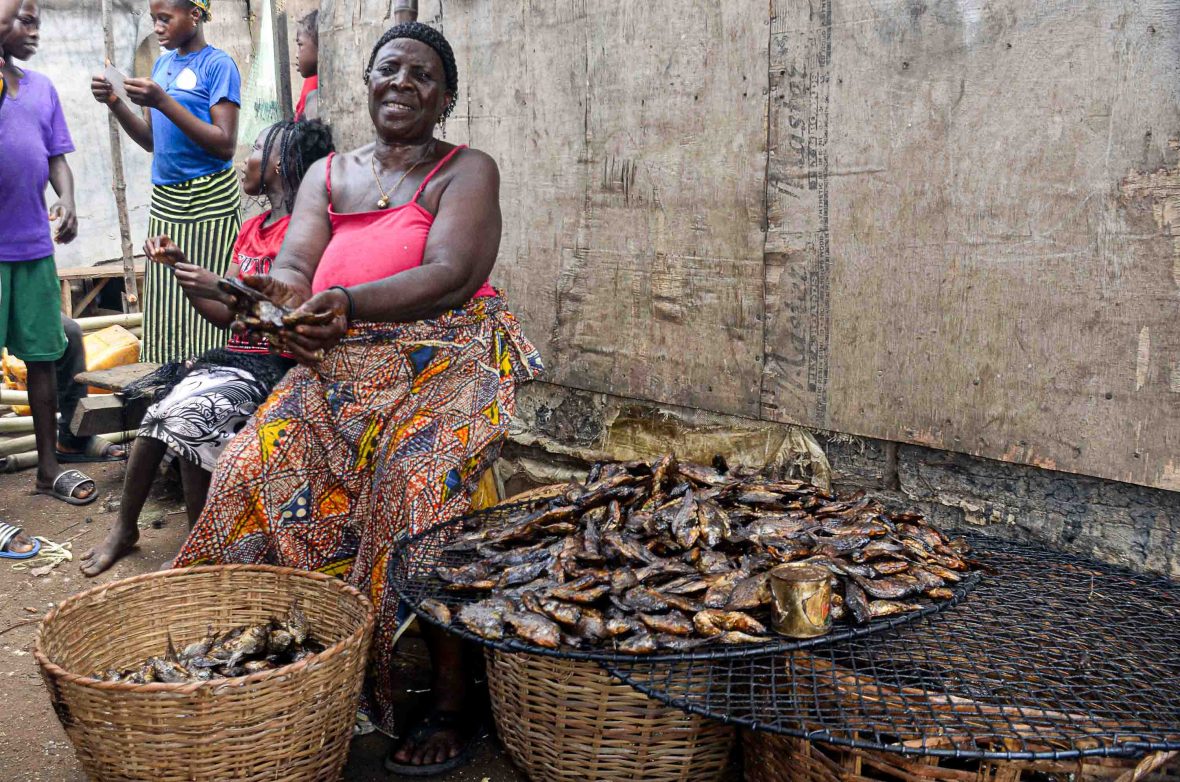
point(802, 601)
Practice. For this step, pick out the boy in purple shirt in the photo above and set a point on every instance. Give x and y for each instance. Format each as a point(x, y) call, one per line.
point(34, 141)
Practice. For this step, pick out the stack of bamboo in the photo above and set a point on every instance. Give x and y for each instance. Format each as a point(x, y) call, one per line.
point(17, 444)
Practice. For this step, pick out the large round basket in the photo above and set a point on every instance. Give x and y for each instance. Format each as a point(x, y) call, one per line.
point(291, 723)
point(772, 758)
point(566, 720)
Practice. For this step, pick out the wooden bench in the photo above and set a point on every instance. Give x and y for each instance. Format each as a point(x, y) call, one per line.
point(110, 412)
point(99, 275)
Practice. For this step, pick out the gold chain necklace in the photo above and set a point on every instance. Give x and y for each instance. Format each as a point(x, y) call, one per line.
point(383, 201)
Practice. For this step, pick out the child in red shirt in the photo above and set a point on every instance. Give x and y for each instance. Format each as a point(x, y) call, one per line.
point(307, 55)
point(208, 401)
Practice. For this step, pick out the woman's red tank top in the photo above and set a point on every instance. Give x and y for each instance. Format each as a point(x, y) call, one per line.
point(369, 246)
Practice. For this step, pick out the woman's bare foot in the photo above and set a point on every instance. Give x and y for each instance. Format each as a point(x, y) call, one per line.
point(437, 740)
point(446, 736)
point(118, 544)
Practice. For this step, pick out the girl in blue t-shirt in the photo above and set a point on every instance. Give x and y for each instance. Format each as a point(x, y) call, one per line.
point(189, 122)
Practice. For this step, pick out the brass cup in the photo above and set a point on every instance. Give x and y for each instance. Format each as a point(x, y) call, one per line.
point(802, 606)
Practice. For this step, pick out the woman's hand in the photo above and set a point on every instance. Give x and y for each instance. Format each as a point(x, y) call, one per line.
point(245, 308)
point(314, 328)
point(161, 249)
point(198, 281)
point(66, 216)
point(102, 90)
point(144, 92)
point(275, 291)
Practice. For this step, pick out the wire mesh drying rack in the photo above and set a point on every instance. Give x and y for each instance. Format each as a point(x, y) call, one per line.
point(411, 572)
point(1051, 657)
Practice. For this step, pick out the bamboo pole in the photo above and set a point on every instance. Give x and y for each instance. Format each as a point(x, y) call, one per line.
point(118, 438)
point(119, 183)
point(405, 11)
point(14, 398)
point(15, 462)
point(19, 445)
point(16, 425)
point(10, 396)
point(128, 321)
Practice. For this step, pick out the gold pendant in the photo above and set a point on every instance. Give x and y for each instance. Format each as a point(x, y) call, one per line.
point(382, 203)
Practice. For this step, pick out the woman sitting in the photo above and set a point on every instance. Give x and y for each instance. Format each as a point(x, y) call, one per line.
point(403, 399)
point(206, 402)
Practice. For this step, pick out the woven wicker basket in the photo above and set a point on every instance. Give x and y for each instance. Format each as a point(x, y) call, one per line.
point(772, 758)
point(565, 720)
point(293, 723)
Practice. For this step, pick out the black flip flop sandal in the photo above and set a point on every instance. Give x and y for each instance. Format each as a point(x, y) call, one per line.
point(427, 727)
point(97, 449)
point(64, 485)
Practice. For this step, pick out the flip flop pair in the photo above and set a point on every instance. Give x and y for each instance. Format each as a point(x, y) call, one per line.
point(8, 533)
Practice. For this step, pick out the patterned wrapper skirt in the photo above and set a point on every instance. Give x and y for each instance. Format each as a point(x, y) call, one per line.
point(203, 216)
point(204, 411)
point(387, 436)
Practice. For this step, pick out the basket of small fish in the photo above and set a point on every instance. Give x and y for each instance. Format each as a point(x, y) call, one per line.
point(243, 672)
point(679, 561)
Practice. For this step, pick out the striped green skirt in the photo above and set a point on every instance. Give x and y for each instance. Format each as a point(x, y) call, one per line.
point(203, 217)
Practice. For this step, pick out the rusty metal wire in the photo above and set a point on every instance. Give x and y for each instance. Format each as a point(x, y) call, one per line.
point(1050, 657)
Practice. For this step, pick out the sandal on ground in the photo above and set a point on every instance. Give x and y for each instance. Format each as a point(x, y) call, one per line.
point(422, 732)
point(363, 725)
point(8, 533)
point(65, 484)
point(97, 449)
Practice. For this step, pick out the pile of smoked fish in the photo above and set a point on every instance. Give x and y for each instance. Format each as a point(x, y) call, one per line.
point(670, 556)
point(237, 652)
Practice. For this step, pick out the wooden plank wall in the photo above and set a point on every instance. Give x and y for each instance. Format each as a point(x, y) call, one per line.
point(946, 222)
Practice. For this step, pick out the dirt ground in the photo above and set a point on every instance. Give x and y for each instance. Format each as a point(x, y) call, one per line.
point(33, 745)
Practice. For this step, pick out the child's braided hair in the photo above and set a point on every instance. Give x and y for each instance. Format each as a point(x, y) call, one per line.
point(299, 145)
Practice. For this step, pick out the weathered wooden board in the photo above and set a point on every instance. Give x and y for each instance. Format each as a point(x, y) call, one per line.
point(116, 378)
point(797, 268)
point(526, 105)
point(631, 140)
point(105, 414)
point(984, 261)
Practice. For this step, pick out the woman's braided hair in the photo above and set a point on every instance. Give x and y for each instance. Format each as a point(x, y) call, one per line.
point(299, 145)
point(435, 40)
